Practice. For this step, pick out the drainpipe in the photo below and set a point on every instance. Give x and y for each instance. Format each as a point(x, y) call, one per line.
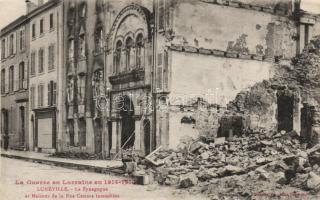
point(105, 132)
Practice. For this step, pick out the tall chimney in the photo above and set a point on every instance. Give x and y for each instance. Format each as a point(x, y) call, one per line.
point(30, 6)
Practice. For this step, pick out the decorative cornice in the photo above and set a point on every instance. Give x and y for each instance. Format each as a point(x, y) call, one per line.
point(219, 53)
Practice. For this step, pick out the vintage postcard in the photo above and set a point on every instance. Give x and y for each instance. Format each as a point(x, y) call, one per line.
point(160, 99)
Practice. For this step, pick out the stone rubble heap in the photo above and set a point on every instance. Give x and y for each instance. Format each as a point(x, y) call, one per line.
point(279, 158)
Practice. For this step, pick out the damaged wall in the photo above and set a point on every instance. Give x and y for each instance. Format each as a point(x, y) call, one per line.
point(216, 79)
point(232, 29)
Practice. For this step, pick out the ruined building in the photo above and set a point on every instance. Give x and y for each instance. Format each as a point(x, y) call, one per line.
point(134, 72)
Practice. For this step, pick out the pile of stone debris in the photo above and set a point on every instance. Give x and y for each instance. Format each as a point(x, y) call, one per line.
point(259, 156)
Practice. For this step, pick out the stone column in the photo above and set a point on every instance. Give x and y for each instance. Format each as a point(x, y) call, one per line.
point(113, 150)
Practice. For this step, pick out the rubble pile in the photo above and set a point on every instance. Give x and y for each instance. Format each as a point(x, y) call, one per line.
point(260, 156)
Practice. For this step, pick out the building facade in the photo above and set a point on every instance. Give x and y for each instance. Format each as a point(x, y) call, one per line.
point(45, 58)
point(14, 84)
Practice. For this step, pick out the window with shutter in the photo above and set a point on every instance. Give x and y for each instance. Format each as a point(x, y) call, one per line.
point(3, 49)
point(40, 64)
point(11, 79)
point(41, 26)
point(33, 31)
point(51, 21)
point(54, 93)
point(40, 95)
point(50, 93)
point(11, 44)
point(33, 63)
point(51, 57)
point(3, 78)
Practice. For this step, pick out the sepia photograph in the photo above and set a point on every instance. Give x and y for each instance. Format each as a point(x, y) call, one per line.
point(160, 99)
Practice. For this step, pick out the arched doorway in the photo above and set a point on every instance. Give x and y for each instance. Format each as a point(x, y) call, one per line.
point(128, 123)
point(147, 136)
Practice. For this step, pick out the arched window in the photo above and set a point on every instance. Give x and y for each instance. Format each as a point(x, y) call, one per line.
point(129, 45)
point(117, 57)
point(139, 50)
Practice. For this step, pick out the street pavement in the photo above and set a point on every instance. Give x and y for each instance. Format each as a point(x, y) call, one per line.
point(21, 180)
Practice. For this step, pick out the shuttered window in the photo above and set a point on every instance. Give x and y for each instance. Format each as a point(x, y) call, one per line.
point(51, 57)
point(40, 63)
point(33, 63)
point(40, 95)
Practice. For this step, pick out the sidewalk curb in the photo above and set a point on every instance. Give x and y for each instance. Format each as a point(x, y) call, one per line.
point(88, 168)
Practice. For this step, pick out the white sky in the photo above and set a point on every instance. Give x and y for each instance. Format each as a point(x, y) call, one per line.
point(12, 9)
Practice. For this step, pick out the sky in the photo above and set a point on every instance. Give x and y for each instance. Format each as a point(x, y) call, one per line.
point(12, 9)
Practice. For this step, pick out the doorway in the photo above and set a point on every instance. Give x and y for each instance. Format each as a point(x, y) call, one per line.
point(22, 126)
point(285, 105)
point(128, 123)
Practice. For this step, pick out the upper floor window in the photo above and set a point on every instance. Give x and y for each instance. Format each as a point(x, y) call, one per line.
point(33, 63)
point(33, 30)
point(161, 15)
point(3, 48)
point(3, 78)
point(41, 26)
point(139, 50)
point(117, 57)
point(11, 78)
point(22, 40)
point(129, 45)
point(51, 57)
point(11, 45)
point(51, 21)
point(52, 93)
point(40, 95)
point(21, 76)
point(41, 59)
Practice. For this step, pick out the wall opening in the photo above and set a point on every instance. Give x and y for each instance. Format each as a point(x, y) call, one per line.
point(82, 132)
point(147, 136)
point(128, 123)
point(285, 104)
point(22, 126)
point(70, 124)
point(307, 114)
